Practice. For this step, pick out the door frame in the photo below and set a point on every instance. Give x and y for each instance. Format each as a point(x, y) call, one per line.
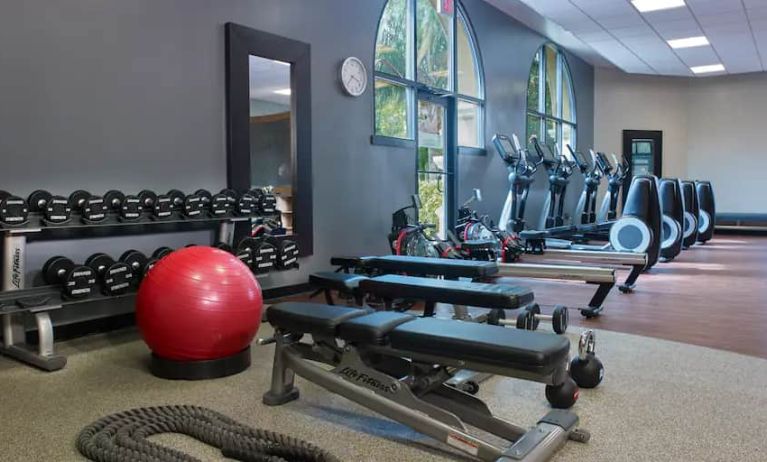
point(450, 132)
point(628, 137)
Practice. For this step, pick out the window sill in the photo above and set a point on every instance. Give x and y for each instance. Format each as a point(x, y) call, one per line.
point(391, 141)
point(467, 151)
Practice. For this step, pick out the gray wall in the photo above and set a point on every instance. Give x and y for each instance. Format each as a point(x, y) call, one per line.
point(130, 95)
point(713, 128)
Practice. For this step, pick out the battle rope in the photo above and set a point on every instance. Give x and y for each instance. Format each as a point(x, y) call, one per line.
point(123, 437)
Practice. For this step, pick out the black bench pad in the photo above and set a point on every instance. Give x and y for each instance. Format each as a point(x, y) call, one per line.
point(373, 328)
point(482, 343)
point(477, 294)
point(426, 266)
point(311, 318)
point(344, 282)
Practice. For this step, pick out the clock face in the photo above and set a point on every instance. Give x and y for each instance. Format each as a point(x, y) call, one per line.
point(354, 77)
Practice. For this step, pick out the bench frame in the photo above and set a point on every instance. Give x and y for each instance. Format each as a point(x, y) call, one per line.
point(419, 398)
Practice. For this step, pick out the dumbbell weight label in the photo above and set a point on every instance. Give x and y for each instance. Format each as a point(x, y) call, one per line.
point(246, 204)
point(131, 208)
point(118, 278)
point(80, 283)
point(220, 205)
point(162, 207)
point(95, 209)
point(57, 210)
point(193, 206)
point(14, 210)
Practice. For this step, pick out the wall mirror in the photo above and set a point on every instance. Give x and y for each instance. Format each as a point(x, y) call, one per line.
point(269, 127)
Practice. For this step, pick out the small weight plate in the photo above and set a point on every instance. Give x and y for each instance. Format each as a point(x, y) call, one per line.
point(246, 204)
point(99, 262)
point(55, 268)
point(162, 207)
point(38, 200)
point(205, 195)
point(147, 199)
point(79, 281)
point(135, 259)
point(231, 194)
point(193, 205)
point(176, 199)
point(117, 278)
point(77, 199)
point(95, 209)
point(114, 200)
point(220, 205)
point(161, 252)
point(13, 210)
point(58, 210)
point(131, 208)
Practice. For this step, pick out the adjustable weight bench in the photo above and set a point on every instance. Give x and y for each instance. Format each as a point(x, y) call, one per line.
point(397, 365)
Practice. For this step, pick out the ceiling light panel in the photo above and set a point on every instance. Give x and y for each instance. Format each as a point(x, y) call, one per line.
point(645, 6)
point(689, 42)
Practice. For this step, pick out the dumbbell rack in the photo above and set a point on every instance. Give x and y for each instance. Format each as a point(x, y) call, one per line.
point(16, 301)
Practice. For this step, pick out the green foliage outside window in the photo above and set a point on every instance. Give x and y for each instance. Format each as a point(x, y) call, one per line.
point(392, 41)
point(391, 110)
point(433, 46)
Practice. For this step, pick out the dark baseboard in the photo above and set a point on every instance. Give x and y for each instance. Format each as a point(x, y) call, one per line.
point(111, 323)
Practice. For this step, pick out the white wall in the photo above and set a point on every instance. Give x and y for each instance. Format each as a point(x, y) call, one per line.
point(713, 128)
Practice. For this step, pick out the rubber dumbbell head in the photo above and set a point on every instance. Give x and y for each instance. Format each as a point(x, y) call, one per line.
point(114, 200)
point(527, 319)
point(162, 207)
point(264, 254)
point(193, 205)
point(77, 281)
point(205, 195)
point(14, 210)
point(220, 205)
point(246, 205)
point(136, 260)
point(115, 277)
point(94, 209)
point(77, 199)
point(58, 210)
point(287, 254)
point(131, 208)
point(38, 200)
point(161, 252)
point(231, 194)
point(176, 199)
point(147, 199)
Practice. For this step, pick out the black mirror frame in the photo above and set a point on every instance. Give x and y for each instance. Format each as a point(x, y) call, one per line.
point(241, 42)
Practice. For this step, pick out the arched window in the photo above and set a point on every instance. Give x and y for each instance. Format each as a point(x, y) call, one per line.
point(416, 47)
point(550, 99)
point(429, 93)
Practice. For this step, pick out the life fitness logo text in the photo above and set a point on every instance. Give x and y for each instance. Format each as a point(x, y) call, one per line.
point(366, 380)
point(16, 272)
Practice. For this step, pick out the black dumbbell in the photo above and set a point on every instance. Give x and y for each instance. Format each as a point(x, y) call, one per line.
point(266, 202)
point(264, 254)
point(246, 205)
point(243, 254)
point(193, 205)
point(55, 209)
point(530, 316)
point(138, 262)
point(287, 252)
point(176, 200)
point(205, 195)
point(163, 207)
point(231, 194)
point(161, 252)
point(220, 205)
point(586, 369)
point(116, 277)
point(114, 200)
point(14, 210)
point(95, 209)
point(147, 199)
point(77, 280)
point(77, 200)
point(131, 208)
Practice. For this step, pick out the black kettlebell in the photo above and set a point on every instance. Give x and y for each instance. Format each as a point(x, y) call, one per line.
point(563, 396)
point(586, 369)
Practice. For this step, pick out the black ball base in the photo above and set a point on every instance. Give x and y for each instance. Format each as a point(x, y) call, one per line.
point(200, 370)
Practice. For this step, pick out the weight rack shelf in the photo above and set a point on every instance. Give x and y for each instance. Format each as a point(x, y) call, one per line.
point(17, 301)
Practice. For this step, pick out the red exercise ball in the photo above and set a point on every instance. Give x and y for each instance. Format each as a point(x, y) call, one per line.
point(198, 303)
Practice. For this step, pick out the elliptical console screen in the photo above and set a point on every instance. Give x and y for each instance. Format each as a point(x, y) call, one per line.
point(505, 148)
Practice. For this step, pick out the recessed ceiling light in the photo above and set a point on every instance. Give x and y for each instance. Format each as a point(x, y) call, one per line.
point(688, 42)
point(707, 69)
point(285, 91)
point(645, 6)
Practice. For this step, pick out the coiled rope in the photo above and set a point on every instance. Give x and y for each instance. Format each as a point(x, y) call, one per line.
point(123, 437)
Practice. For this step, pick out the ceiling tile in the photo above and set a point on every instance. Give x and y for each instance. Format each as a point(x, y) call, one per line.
point(596, 36)
point(604, 8)
point(674, 14)
point(638, 31)
point(698, 56)
point(729, 17)
point(757, 13)
point(677, 29)
point(714, 6)
point(622, 20)
point(755, 3)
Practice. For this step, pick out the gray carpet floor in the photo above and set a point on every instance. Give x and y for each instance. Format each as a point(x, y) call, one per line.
point(660, 401)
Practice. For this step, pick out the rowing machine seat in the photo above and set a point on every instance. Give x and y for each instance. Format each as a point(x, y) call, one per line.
point(477, 294)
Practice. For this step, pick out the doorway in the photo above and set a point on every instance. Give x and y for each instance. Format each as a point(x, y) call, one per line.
point(643, 149)
point(434, 163)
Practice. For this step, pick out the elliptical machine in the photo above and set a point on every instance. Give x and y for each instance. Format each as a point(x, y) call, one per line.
point(521, 171)
point(616, 175)
point(559, 168)
point(672, 208)
point(586, 210)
